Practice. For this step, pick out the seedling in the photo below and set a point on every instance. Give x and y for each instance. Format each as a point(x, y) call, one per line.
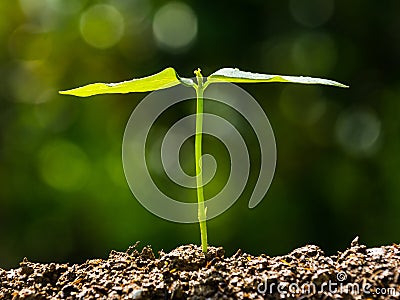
point(169, 78)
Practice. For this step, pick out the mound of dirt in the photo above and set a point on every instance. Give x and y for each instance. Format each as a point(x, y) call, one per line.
point(187, 273)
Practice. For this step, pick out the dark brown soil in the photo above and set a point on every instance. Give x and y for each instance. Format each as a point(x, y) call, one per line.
point(186, 273)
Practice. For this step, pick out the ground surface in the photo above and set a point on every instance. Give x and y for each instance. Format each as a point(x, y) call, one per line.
point(186, 273)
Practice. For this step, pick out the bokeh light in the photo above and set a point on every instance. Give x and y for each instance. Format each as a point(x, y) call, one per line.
point(29, 43)
point(26, 83)
point(137, 13)
point(312, 13)
point(33, 8)
point(65, 7)
point(102, 26)
point(175, 26)
point(314, 53)
point(357, 131)
point(41, 14)
point(63, 165)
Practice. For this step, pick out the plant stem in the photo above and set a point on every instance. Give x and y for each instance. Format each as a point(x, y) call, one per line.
point(201, 212)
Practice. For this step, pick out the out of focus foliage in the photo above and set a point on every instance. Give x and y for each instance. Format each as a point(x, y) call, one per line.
point(63, 195)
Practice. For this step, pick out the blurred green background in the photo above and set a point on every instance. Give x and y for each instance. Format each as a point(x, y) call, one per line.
point(63, 195)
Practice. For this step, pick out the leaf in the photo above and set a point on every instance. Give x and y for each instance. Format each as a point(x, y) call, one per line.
point(236, 75)
point(164, 79)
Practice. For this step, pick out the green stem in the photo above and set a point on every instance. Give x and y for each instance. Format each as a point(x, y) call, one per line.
point(201, 213)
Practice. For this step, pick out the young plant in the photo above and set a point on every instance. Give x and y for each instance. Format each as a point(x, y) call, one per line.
point(169, 78)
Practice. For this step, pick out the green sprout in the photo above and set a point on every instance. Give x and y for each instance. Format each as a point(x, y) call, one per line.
point(169, 78)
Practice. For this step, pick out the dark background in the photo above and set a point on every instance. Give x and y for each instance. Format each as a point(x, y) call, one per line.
point(63, 195)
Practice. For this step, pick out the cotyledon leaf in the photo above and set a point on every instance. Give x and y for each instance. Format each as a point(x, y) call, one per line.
point(236, 75)
point(162, 80)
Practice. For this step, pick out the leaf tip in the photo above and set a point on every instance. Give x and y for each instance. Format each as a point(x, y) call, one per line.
point(71, 92)
point(341, 85)
point(66, 92)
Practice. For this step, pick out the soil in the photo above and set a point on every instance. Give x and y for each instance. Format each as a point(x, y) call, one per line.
point(187, 273)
